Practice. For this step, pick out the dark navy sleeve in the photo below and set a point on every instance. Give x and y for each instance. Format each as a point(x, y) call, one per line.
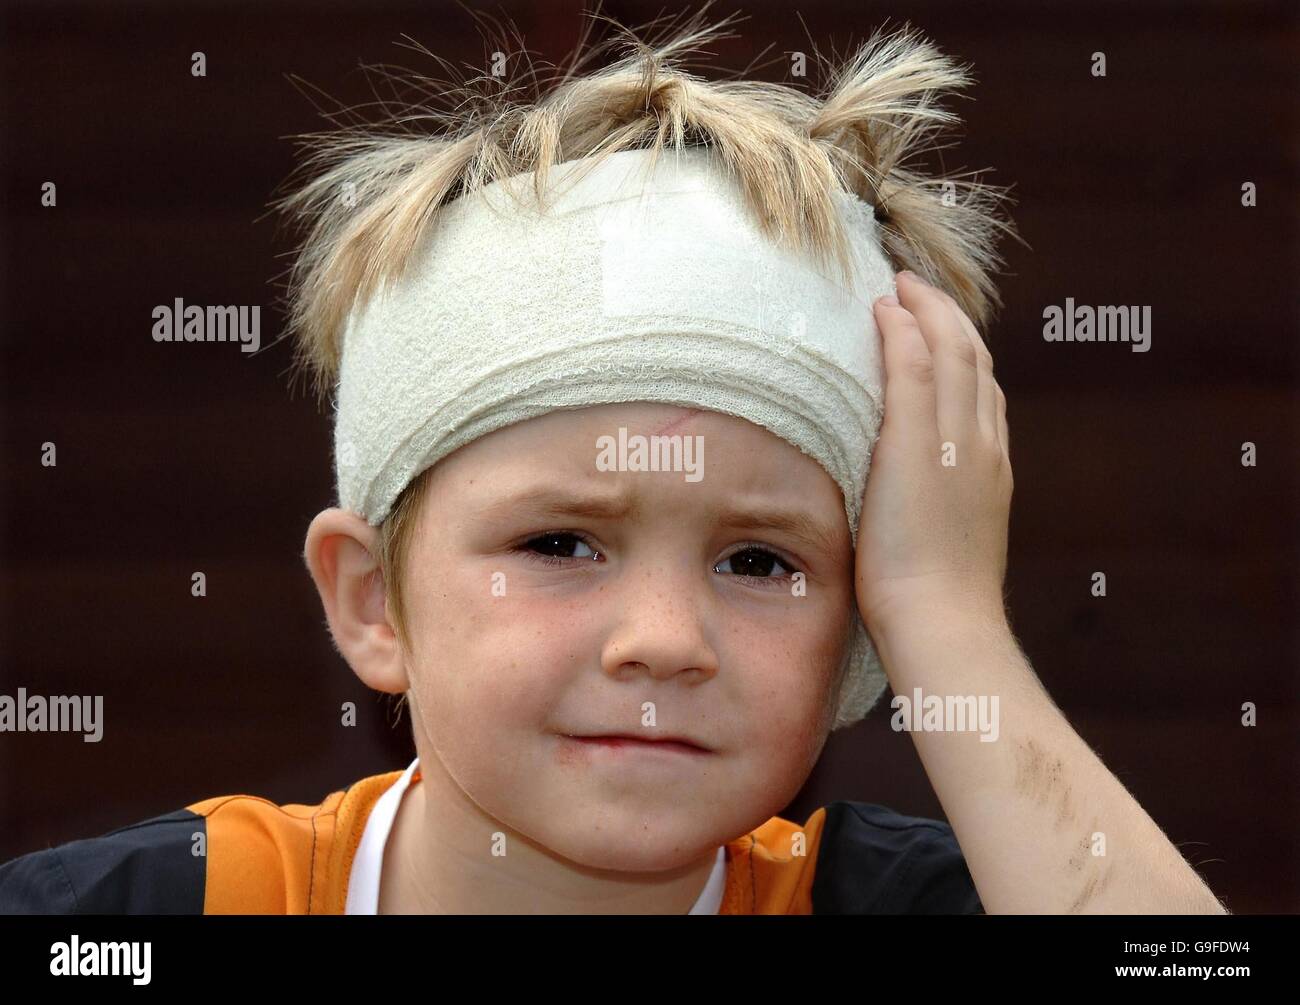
point(872, 860)
point(145, 868)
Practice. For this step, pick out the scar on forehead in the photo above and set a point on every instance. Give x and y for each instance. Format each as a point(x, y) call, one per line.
point(690, 414)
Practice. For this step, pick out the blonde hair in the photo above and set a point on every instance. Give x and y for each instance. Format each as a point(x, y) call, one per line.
point(377, 187)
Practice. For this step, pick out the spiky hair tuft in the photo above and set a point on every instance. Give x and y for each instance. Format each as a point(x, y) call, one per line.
point(375, 186)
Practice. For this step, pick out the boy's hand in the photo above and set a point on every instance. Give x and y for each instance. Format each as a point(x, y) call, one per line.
point(933, 533)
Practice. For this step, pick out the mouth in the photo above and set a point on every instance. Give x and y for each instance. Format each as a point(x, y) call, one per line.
point(620, 741)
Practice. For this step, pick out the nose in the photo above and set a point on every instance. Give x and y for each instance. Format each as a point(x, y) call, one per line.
point(662, 627)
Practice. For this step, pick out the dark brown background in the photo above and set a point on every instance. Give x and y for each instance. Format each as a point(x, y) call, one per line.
point(176, 458)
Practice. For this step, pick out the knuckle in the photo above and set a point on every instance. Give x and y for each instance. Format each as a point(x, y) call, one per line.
point(921, 369)
point(964, 351)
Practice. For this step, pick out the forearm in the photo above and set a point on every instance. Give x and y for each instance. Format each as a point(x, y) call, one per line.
point(1032, 808)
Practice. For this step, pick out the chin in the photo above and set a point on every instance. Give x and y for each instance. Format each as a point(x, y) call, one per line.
point(632, 847)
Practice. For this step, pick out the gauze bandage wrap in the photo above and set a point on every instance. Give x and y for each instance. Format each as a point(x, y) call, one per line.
point(639, 281)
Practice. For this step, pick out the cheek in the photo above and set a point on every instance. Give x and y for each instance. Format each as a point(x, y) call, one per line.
point(785, 727)
point(783, 677)
point(789, 666)
point(487, 659)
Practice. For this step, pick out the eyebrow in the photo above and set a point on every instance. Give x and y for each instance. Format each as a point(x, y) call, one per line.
point(797, 525)
point(547, 502)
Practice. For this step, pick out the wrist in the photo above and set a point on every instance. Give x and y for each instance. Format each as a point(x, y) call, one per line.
point(951, 614)
point(945, 646)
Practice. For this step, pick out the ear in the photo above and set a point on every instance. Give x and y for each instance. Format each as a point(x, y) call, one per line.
point(341, 552)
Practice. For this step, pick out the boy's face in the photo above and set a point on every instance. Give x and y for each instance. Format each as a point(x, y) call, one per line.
point(534, 618)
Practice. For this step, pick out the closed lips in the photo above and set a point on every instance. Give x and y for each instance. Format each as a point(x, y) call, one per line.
point(678, 740)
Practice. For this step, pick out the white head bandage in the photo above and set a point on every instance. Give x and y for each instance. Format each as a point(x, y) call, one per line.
point(638, 282)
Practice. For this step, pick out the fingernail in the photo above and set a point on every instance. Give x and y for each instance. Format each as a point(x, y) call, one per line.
point(912, 275)
point(889, 301)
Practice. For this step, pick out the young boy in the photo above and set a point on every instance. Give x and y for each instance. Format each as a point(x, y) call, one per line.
point(605, 412)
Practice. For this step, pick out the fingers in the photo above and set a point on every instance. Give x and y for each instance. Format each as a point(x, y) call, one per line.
point(966, 387)
point(909, 371)
point(989, 391)
point(955, 358)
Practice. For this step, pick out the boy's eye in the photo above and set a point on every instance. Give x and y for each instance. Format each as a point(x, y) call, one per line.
point(559, 545)
point(755, 563)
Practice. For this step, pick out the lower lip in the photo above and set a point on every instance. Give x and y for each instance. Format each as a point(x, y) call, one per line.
point(620, 743)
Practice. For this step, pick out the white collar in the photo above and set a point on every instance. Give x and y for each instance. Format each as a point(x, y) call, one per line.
point(363, 882)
